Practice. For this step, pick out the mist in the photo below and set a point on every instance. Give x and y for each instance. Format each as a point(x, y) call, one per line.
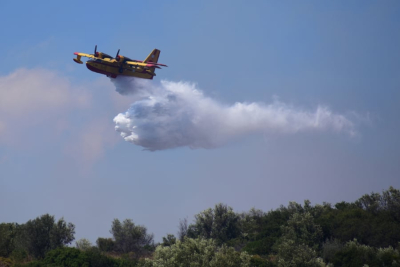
point(178, 114)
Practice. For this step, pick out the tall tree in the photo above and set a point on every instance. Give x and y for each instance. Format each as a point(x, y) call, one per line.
point(220, 223)
point(43, 234)
point(182, 229)
point(301, 237)
point(83, 244)
point(8, 233)
point(130, 237)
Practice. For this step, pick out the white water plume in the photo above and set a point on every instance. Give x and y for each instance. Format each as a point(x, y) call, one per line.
point(176, 114)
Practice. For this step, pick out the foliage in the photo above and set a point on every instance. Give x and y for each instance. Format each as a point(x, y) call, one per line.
point(373, 219)
point(66, 257)
point(257, 261)
point(105, 244)
point(291, 235)
point(302, 229)
point(197, 252)
point(5, 262)
point(356, 254)
point(169, 240)
point(389, 201)
point(220, 223)
point(19, 255)
point(388, 256)
point(129, 237)
point(262, 230)
point(300, 240)
point(83, 244)
point(8, 232)
point(330, 248)
point(73, 257)
point(370, 220)
point(183, 229)
point(294, 254)
point(44, 234)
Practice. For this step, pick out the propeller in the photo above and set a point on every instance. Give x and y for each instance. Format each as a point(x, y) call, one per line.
point(117, 57)
point(95, 51)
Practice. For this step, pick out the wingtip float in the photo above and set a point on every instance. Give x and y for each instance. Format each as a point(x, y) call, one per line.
point(120, 65)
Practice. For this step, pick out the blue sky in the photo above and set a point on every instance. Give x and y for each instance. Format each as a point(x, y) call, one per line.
point(60, 154)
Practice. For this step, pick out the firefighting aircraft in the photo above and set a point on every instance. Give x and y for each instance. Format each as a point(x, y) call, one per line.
point(120, 65)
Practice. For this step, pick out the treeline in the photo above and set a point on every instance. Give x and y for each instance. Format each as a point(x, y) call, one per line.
point(363, 233)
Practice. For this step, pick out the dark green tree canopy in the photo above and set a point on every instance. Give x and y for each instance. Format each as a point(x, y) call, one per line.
point(44, 234)
point(220, 223)
point(129, 237)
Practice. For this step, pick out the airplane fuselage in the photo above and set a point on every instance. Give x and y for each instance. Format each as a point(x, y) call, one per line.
point(112, 68)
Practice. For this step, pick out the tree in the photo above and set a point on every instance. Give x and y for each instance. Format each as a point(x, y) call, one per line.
point(43, 234)
point(355, 254)
point(130, 237)
point(105, 244)
point(330, 248)
point(8, 233)
point(266, 231)
point(302, 229)
point(391, 202)
point(182, 229)
point(61, 234)
point(220, 223)
point(169, 240)
point(251, 223)
point(300, 240)
point(83, 244)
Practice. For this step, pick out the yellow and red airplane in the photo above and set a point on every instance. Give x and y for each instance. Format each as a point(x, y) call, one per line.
point(112, 67)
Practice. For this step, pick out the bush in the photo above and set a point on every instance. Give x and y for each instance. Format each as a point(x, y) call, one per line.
point(330, 248)
point(105, 244)
point(5, 262)
point(355, 254)
point(83, 244)
point(388, 257)
point(93, 257)
point(71, 257)
point(257, 261)
point(197, 252)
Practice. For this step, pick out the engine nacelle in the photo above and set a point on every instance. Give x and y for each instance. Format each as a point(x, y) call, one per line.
point(120, 59)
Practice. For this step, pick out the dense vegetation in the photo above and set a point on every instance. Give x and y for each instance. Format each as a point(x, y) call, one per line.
point(363, 233)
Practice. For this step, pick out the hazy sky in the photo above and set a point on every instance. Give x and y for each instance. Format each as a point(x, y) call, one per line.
point(60, 153)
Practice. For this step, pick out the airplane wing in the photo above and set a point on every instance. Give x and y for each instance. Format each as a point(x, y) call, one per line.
point(79, 55)
point(84, 55)
point(140, 64)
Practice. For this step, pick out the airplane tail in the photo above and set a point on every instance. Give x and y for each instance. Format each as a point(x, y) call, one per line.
point(153, 56)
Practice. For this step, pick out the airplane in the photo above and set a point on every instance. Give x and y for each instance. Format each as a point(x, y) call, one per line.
point(120, 65)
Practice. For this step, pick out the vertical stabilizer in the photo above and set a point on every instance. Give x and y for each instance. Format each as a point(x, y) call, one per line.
point(153, 56)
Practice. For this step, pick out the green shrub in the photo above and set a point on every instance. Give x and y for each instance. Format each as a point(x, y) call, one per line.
point(70, 257)
point(197, 252)
point(5, 262)
point(355, 254)
point(105, 244)
point(257, 261)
